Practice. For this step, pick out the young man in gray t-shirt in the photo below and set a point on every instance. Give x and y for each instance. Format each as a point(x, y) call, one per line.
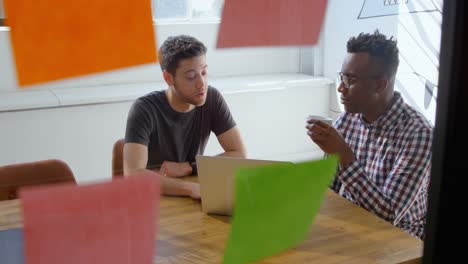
point(167, 129)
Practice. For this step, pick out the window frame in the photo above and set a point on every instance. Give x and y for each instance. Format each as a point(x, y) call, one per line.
point(2, 14)
point(187, 20)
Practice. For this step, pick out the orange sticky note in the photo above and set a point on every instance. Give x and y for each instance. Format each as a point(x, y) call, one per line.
point(270, 22)
point(56, 39)
point(112, 222)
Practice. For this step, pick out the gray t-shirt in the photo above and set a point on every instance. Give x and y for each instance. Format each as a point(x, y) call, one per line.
point(174, 136)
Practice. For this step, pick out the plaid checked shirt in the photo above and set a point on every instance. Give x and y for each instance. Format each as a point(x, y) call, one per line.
point(390, 175)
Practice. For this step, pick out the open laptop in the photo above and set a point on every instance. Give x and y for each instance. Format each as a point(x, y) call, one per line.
point(216, 178)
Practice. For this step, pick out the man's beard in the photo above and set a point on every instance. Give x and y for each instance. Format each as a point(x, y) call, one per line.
point(188, 99)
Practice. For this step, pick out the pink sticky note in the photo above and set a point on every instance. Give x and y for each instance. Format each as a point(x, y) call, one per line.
point(112, 222)
point(271, 22)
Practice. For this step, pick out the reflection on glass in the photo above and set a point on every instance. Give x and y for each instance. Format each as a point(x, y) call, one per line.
point(170, 9)
point(207, 9)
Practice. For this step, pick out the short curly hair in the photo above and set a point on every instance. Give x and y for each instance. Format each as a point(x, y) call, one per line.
point(177, 48)
point(380, 48)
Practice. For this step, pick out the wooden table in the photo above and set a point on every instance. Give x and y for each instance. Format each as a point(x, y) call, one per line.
point(341, 233)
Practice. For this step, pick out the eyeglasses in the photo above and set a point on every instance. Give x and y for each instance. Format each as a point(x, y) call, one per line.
point(349, 80)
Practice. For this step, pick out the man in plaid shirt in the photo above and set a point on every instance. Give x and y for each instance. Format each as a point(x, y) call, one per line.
point(384, 144)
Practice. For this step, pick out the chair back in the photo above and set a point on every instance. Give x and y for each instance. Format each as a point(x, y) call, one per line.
point(14, 176)
point(117, 158)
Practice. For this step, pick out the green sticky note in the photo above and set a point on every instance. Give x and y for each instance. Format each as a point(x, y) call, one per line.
point(275, 207)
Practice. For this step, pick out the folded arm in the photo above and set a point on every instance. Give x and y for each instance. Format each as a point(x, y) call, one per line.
point(135, 160)
point(232, 144)
point(401, 188)
point(411, 170)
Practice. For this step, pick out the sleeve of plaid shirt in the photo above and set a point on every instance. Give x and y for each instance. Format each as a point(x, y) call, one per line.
point(411, 167)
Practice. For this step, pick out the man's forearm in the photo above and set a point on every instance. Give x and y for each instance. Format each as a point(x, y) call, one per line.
point(233, 153)
point(169, 186)
point(346, 157)
point(132, 172)
point(176, 187)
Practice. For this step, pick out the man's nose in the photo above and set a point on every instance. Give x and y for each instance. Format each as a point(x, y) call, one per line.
point(201, 82)
point(342, 88)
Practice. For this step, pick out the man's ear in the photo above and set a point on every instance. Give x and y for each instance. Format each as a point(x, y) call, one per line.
point(168, 78)
point(382, 85)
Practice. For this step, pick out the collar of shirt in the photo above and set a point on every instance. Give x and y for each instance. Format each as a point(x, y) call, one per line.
point(390, 117)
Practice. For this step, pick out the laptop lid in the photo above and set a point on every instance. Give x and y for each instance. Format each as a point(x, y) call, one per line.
point(216, 178)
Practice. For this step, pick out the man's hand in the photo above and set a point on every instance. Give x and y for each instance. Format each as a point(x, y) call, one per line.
point(329, 140)
point(194, 190)
point(174, 169)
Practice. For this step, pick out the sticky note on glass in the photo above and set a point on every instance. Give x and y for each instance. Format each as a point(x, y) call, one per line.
point(270, 22)
point(112, 222)
point(275, 207)
point(56, 39)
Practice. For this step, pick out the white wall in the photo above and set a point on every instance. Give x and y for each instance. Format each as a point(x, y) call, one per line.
point(418, 36)
point(271, 115)
point(78, 120)
point(221, 62)
point(82, 136)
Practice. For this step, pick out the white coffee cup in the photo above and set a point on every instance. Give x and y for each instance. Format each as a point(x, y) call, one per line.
point(326, 120)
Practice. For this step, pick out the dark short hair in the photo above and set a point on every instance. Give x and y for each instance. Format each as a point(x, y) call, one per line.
point(381, 49)
point(178, 48)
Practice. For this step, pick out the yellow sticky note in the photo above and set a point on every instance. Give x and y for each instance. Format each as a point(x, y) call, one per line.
point(57, 39)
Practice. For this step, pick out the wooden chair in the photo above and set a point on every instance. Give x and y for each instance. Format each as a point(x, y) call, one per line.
point(14, 176)
point(117, 159)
